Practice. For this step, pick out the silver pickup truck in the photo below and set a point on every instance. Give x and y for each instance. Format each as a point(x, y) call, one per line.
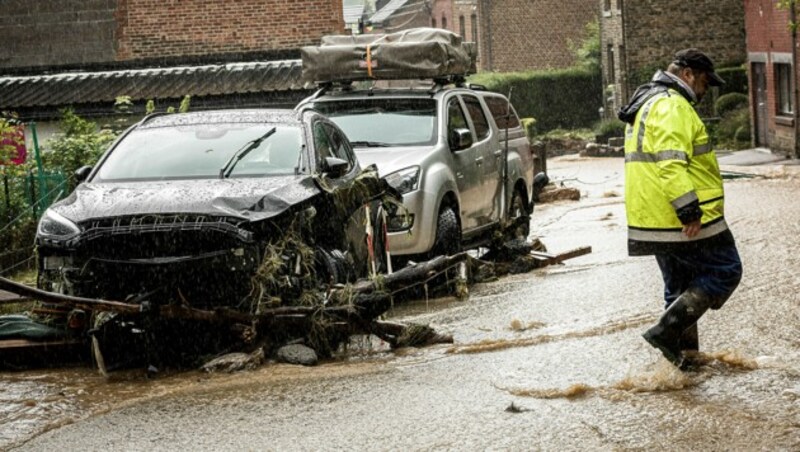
point(443, 148)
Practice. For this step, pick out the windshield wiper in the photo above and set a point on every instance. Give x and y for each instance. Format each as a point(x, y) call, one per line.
point(226, 170)
point(370, 144)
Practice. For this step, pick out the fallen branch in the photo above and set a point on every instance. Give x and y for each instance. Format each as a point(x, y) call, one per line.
point(412, 275)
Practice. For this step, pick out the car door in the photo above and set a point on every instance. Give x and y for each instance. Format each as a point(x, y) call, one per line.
point(488, 160)
point(465, 167)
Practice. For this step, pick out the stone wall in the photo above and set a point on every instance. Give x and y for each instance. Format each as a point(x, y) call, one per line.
point(638, 37)
point(655, 29)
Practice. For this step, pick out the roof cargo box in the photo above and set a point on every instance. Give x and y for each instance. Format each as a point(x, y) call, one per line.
point(409, 54)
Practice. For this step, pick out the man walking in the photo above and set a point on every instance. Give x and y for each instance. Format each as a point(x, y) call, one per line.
point(675, 202)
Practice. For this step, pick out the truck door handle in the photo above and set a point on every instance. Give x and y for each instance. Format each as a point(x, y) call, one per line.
point(498, 153)
point(479, 161)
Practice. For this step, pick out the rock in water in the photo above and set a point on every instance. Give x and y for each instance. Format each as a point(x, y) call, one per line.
point(297, 354)
point(233, 362)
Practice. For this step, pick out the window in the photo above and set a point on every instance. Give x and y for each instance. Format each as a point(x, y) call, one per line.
point(606, 5)
point(433, 22)
point(611, 74)
point(444, 22)
point(503, 113)
point(619, 5)
point(330, 143)
point(478, 117)
point(783, 84)
point(462, 27)
point(455, 118)
point(474, 25)
point(393, 122)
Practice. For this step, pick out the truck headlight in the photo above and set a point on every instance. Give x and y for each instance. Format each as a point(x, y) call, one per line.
point(404, 181)
point(54, 226)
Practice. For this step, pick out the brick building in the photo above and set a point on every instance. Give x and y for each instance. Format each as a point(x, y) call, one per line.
point(772, 68)
point(524, 35)
point(222, 52)
point(638, 37)
point(397, 15)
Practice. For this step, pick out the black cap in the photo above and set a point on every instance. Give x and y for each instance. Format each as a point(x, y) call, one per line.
point(696, 59)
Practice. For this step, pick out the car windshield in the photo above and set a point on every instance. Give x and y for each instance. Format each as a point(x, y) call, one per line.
point(202, 150)
point(383, 122)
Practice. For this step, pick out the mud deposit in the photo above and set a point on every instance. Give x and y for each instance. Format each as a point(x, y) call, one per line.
point(552, 359)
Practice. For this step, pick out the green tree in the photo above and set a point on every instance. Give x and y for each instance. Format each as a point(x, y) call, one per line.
point(587, 54)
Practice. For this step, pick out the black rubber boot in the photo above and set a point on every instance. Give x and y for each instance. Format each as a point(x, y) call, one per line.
point(690, 346)
point(682, 314)
point(689, 339)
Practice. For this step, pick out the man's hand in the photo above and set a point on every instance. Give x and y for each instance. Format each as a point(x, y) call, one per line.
point(692, 229)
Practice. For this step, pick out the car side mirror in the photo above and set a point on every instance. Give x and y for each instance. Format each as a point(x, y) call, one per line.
point(460, 139)
point(335, 167)
point(82, 173)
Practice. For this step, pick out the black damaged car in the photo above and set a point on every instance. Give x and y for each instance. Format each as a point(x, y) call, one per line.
point(236, 208)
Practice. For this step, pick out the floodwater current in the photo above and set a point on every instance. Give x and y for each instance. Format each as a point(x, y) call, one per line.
point(552, 359)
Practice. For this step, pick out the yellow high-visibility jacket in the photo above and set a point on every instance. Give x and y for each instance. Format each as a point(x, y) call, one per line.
point(671, 176)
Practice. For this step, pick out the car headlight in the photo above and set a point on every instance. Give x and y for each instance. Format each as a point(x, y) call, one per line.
point(404, 181)
point(54, 226)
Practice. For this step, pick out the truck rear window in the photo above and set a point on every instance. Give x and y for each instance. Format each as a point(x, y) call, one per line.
point(503, 113)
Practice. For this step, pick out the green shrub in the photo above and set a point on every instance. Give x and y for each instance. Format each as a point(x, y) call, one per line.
point(609, 128)
point(78, 143)
point(563, 98)
point(735, 80)
point(730, 102)
point(529, 124)
point(733, 130)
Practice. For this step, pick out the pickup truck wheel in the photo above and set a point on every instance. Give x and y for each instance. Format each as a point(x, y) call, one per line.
point(378, 241)
point(517, 210)
point(448, 234)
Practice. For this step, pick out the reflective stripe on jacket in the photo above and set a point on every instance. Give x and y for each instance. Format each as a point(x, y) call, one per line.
point(668, 165)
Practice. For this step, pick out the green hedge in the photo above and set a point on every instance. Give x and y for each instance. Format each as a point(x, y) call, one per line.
point(735, 80)
point(563, 98)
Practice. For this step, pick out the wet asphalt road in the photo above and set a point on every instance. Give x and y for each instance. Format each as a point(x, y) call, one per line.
point(550, 360)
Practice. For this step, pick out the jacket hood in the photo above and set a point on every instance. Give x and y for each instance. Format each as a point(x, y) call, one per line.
point(246, 198)
point(673, 82)
point(660, 82)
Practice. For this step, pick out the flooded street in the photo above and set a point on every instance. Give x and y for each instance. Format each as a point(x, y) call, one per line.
point(552, 359)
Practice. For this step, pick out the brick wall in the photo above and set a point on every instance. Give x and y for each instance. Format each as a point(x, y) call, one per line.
point(39, 33)
point(768, 40)
point(528, 34)
point(442, 12)
point(468, 9)
point(415, 13)
point(45, 32)
point(163, 28)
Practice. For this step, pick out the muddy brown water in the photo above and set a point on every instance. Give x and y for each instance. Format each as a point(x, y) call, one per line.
point(552, 359)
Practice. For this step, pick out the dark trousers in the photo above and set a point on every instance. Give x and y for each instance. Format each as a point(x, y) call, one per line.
point(716, 270)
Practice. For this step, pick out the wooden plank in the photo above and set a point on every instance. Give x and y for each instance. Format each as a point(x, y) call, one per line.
point(16, 344)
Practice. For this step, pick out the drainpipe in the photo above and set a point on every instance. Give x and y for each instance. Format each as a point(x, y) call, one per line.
point(795, 90)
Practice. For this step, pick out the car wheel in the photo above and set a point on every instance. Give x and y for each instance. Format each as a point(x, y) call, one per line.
point(448, 233)
point(332, 266)
point(379, 258)
point(517, 211)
